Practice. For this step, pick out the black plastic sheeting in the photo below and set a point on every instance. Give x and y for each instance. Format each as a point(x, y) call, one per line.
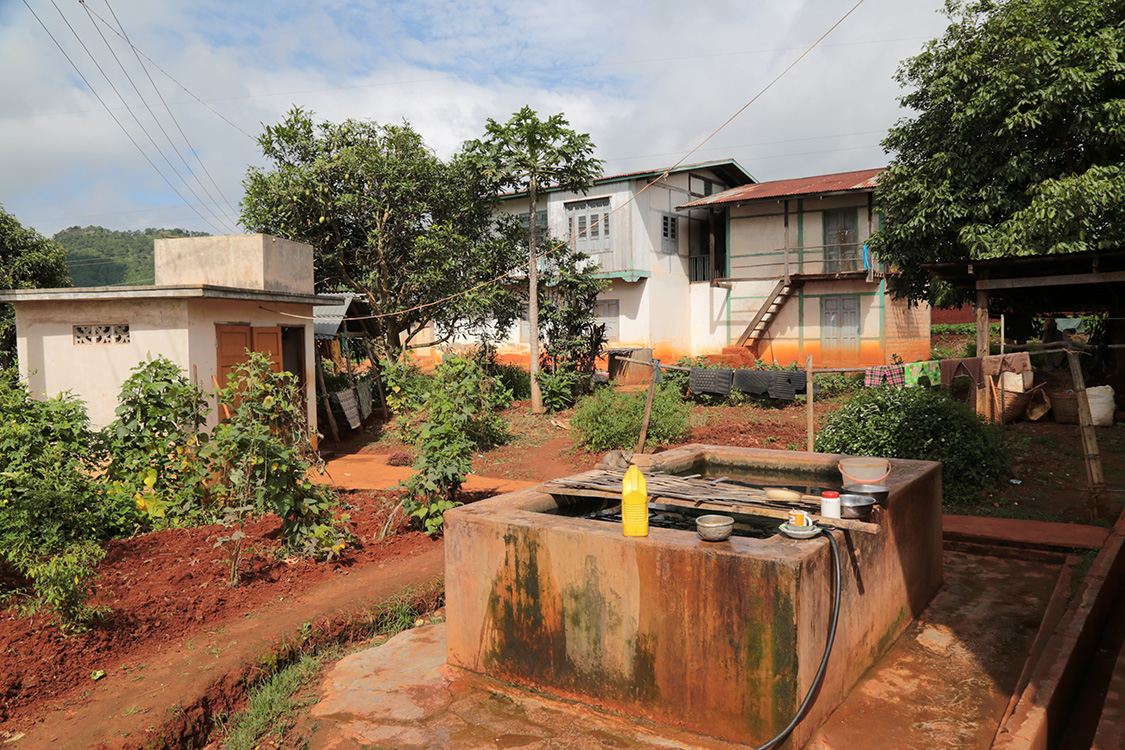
point(712, 382)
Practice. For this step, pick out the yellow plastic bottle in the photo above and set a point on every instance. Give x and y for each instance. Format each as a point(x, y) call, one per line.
point(634, 503)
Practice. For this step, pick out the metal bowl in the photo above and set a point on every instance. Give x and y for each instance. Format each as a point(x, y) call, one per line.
point(856, 506)
point(877, 491)
point(714, 528)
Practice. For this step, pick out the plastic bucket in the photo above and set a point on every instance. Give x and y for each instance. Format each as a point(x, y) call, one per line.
point(864, 470)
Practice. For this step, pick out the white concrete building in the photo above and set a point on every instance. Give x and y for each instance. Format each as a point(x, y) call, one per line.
point(214, 298)
point(653, 253)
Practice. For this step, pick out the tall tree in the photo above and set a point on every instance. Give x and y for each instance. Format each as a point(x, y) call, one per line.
point(528, 154)
point(28, 260)
point(1017, 146)
point(387, 219)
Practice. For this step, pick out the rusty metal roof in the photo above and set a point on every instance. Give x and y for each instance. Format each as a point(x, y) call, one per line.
point(842, 182)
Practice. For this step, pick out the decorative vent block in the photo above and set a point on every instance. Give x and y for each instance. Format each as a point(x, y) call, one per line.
point(95, 335)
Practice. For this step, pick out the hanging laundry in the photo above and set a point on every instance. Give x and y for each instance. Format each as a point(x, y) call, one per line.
point(350, 406)
point(884, 375)
point(711, 382)
point(914, 371)
point(754, 382)
point(969, 367)
point(1017, 362)
point(363, 390)
point(781, 384)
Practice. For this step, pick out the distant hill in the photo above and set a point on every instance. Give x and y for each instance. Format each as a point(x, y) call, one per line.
point(97, 256)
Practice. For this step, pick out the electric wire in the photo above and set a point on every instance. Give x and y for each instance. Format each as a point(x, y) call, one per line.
point(156, 120)
point(225, 201)
point(511, 275)
point(125, 130)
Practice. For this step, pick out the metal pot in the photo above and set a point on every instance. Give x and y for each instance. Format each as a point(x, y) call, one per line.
point(877, 491)
point(856, 506)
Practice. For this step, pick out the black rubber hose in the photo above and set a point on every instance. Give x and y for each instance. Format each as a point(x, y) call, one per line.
point(827, 646)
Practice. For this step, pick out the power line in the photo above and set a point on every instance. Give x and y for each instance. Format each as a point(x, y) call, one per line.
point(102, 101)
point(510, 275)
point(155, 119)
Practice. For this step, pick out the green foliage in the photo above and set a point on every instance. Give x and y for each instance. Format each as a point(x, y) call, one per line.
point(961, 329)
point(261, 457)
point(405, 384)
point(460, 418)
point(923, 424)
point(528, 154)
point(838, 384)
point(65, 584)
point(50, 514)
point(96, 256)
point(558, 388)
point(610, 419)
point(28, 260)
point(153, 444)
point(1016, 147)
point(388, 219)
point(511, 378)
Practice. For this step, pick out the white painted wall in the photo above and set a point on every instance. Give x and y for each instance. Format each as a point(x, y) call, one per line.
point(52, 363)
point(183, 330)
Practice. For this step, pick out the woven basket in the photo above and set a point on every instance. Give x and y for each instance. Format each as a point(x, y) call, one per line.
point(1008, 404)
point(1064, 404)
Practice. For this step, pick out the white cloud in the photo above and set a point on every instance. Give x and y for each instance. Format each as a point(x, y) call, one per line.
point(647, 79)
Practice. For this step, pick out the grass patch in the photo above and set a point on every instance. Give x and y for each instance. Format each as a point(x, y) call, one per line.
point(275, 703)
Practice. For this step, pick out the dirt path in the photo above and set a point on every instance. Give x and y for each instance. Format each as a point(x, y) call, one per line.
point(195, 677)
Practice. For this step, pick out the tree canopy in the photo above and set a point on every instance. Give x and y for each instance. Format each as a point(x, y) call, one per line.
point(388, 219)
point(527, 154)
point(96, 256)
point(28, 260)
point(1017, 146)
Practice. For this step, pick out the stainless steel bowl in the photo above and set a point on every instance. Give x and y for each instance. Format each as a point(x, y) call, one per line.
point(856, 506)
point(877, 491)
point(714, 528)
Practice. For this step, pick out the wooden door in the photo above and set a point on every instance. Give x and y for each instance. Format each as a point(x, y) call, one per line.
point(233, 341)
point(268, 341)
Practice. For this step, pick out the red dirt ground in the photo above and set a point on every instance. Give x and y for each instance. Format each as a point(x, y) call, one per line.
point(169, 586)
point(163, 587)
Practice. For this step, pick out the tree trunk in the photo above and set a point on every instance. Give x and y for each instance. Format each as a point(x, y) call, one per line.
point(533, 302)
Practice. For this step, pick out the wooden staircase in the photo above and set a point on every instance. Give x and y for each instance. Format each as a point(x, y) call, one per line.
point(768, 312)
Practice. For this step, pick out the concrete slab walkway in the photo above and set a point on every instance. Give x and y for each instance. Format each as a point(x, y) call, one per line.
point(1022, 532)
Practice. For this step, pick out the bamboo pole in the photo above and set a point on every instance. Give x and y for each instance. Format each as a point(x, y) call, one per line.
point(327, 402)
point(809, 401)
point(652, 378)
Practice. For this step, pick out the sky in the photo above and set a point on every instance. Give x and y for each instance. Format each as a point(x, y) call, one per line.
point(159, 130)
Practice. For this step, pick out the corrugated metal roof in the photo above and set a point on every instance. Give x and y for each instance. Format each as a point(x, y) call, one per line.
point(329, 317)
point(727, 169)
point(863, 179)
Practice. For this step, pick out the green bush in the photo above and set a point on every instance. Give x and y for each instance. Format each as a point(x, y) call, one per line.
point(50, 513)
point(153, 442)
point(460, 418)
point(511, 378)
point(838, 384)
point(260, 458)
point(560, 387)
point(611, 419)
point(924, 424)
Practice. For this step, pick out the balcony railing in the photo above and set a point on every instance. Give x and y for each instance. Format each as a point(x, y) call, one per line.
point(824, 259)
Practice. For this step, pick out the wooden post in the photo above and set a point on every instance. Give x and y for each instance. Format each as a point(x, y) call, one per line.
point(378, 378)
point(324, 396)
point(711, 275)
point(786, 242)
point(809, 400)
point(652, 378)
point(982, 342)
point(1094, 473)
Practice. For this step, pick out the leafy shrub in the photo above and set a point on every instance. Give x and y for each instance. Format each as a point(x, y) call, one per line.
point(838, 384)
point(153, 442)
point(460, 418)
point(559, 388)
point(50, 513)
point(511, 378)
point(924, 424)
point(406, 385)
point(611, 419)
point(261, 457)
